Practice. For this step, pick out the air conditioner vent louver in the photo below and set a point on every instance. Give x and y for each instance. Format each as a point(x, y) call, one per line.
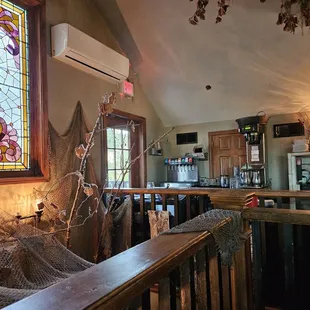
point(93, 68)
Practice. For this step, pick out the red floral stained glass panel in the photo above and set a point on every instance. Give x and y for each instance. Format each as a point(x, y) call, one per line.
point(14, 88)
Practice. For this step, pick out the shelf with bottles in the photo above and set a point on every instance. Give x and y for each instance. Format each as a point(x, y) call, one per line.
point(180, 161)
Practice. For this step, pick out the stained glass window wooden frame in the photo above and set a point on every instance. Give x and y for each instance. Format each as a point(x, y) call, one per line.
point(33, 162)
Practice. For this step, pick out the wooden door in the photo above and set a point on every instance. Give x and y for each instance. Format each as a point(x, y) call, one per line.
point(227, 149)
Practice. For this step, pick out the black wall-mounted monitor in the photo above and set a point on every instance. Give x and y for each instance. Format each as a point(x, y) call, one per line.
point(187, 138)
point(288, 130)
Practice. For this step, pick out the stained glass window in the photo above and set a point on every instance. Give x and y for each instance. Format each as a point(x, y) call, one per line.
point(14, 88)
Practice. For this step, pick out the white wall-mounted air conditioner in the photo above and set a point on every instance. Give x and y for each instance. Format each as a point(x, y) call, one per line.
point(79, 50)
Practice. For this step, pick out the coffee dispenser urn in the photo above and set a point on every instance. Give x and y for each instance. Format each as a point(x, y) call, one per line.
point(254, 173)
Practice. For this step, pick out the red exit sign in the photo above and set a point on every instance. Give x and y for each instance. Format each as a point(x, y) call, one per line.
point(127, 89)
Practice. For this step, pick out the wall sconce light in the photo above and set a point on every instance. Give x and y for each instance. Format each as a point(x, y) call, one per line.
point(37, 216)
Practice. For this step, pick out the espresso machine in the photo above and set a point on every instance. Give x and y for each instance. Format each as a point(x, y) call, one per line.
point(254, 173)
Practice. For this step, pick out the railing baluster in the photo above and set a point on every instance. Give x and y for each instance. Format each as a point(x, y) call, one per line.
point(164, 202)
point(225, 270)
point(241, 279)
point(201, 280)
point(146, 300)
point(257, 262)
point(214, 279)
point(185, 286)
point(164, 294)
point(249, 271)
point(176, 209)
point(188, 207)
point(132, 198)
point(192, 269)
point(173, 276)
point(286, 241)
point(142, 210)
point(153, 202)
point(201, 204)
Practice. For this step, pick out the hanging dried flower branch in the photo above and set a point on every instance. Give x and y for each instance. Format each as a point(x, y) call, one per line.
point(286, 17)
point(201, 11)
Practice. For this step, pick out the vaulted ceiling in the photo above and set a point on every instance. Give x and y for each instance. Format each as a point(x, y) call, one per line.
point(250, 63)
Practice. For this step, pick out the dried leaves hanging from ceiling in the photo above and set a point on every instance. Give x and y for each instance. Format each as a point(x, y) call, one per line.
point(293, 13)
point(201, 11)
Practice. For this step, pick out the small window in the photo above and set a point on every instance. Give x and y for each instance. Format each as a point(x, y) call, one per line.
point(124, 142)
point(118, 149)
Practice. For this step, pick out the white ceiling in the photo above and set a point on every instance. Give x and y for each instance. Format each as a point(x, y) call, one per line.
point(249, 61)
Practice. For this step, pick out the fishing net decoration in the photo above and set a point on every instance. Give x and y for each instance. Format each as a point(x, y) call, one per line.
point(32, 259)
point(227, 237)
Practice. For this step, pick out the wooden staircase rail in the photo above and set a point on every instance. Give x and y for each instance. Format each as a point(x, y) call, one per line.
point(113, 283)
point(284, 216)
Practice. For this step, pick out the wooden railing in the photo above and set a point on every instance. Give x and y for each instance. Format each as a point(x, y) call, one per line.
point(280, 249)
point(183, 204)
point(186, 268)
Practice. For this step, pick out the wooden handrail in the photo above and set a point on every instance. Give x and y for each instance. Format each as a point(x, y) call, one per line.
point(284, 216)
point(220, 192)
point(113, 283)
point(236, 197)
point(282, 193)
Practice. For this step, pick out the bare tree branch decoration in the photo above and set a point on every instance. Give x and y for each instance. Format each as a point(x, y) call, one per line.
point(83, 152)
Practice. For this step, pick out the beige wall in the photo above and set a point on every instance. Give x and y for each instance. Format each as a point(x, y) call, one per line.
point(277, 148)
point(67, 85)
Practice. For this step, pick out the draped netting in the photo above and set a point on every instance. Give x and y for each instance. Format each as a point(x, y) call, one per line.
point(60, 191)
point(227, 236)
point(31, 260)
point(34, 258)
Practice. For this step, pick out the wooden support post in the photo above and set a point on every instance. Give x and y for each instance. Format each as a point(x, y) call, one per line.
point(164, 294)
point(185, 286)
point(214, 279)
